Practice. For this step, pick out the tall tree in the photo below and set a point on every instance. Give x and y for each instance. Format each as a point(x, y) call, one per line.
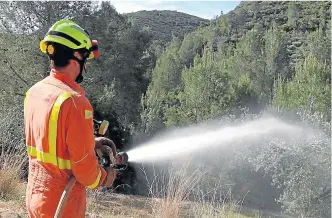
point(310, 90)
point(276, 58)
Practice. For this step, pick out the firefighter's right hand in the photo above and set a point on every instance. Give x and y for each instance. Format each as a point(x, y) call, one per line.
point(111, 175)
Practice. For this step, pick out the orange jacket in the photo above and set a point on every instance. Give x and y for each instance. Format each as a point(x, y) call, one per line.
point(58, 122)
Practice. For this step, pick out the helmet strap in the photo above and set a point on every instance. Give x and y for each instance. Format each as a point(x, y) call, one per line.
point(79, 78)
point(64, 55)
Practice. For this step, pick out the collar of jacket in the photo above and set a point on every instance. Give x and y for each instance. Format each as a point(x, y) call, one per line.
point(67, 80)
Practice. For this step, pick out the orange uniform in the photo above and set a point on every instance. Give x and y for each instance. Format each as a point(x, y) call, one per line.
point(60, 143)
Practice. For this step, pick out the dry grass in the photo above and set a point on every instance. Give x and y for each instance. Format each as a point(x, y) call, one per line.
point(176, 193)
point(11, 163)
point(216, 204)
point(213, 210)
point(10, 186)
point(108, 205)
point(170, 189)
point(13, 156)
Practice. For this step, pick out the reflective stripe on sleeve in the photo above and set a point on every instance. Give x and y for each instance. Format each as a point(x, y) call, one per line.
point(94, 185)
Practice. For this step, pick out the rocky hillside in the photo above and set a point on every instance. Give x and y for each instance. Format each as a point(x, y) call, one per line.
point(292, 16)
point(165, 24)
point(295, 18)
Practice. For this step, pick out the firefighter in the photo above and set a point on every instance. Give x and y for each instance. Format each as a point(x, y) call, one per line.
point(58, 121)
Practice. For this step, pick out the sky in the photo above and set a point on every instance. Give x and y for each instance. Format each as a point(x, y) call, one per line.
point(204, 9)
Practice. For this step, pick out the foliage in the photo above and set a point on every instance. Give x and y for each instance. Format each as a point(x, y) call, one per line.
point(299, 169)
point(29, 17)
point(206, 92)
point(309, 90)
point(258, 58)
point(262, 55)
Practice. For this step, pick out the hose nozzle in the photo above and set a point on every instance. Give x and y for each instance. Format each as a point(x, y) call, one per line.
point(122, 158)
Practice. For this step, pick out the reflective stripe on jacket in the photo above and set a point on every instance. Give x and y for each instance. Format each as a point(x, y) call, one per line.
point(60, 143)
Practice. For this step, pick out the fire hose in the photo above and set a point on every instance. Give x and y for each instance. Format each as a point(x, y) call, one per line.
point(108, 158)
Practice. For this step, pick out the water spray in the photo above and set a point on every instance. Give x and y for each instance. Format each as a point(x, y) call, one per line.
point(194, 141)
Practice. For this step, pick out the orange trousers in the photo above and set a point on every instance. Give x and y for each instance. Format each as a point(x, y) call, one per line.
point(44, 192)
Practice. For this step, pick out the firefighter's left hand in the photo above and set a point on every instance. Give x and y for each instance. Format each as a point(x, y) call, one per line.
point(111, 175)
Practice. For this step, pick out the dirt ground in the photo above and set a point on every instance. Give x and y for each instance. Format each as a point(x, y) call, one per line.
point(112, 206)
point(101, 205)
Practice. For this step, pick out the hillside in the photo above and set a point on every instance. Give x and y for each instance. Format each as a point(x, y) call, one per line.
point(166, 24)
point(268, 38)
point(291, 16)
point(294, 18)
point(263, 56)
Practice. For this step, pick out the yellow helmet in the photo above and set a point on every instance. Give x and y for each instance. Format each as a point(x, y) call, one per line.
point(70, 34)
